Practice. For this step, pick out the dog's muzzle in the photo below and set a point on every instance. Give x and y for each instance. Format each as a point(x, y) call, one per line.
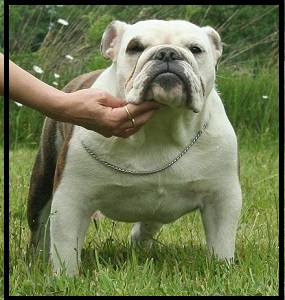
point(168, 73)
point(167, 77)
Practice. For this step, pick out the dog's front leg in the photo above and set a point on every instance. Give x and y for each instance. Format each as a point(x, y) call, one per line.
point(68, 224)
point(220, 214)
point(143, 232)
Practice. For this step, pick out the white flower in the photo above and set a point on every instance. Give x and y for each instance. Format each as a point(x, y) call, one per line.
point(38, 69)
point(56, 75)
point(54, 83)
point(19, 104)
point(62, 22)
point(50, 26)
point(265, 97)
point(69, 57)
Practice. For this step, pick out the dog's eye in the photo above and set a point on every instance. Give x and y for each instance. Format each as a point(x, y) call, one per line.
point(195, 49)
point(135, 48)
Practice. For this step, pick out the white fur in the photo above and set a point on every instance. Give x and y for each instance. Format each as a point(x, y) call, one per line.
point(205, 178)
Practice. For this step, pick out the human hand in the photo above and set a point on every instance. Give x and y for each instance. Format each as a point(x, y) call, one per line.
point(99, 111)
point(93, 109)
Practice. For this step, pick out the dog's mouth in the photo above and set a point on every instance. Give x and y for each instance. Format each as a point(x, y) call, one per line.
point(167, 80)
point(170, 83)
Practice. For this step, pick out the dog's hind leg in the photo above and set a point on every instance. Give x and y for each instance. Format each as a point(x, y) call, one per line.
point(143, 232)
point(41, 187)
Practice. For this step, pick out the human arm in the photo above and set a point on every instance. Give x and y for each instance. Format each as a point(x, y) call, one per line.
point(91, 108)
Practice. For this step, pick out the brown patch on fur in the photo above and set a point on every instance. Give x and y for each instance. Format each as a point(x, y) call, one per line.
point(62, 157)
point(83, 81)
point(42, 176)
point(49, 164)
point(64, 129)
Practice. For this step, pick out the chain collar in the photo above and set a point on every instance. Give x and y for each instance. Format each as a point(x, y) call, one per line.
point(94, 155)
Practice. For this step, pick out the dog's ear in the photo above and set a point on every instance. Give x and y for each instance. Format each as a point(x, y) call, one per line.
point(216, 42)
point(110, 43)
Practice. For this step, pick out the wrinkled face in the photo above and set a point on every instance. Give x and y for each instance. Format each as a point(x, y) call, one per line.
point(172, 62)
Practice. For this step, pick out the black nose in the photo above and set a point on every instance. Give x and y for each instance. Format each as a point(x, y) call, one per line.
point(167, 55)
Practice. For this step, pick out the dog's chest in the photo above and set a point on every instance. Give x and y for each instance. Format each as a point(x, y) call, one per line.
point(147, 201)
point(160, 197)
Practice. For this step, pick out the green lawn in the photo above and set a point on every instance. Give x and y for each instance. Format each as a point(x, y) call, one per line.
point(177, 264)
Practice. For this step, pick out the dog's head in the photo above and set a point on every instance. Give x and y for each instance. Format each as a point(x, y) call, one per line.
point(172, 62)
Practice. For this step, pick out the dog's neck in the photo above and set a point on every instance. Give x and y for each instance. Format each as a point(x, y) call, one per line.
point(173, 125)
point(155, 147)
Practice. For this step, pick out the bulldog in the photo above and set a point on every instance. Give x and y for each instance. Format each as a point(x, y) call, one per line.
point(184, 159)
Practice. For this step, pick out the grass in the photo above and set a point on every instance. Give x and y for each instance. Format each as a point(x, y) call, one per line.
point(176, 265)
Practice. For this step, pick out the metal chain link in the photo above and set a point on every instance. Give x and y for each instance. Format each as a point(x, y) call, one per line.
point(94, 155)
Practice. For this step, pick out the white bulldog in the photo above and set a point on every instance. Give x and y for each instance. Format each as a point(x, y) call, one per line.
point(185, 158)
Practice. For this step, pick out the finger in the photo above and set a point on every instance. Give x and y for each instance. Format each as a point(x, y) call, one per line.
point(122, 117)
point(127, 133)
point(139, 121)
point(137, 109)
